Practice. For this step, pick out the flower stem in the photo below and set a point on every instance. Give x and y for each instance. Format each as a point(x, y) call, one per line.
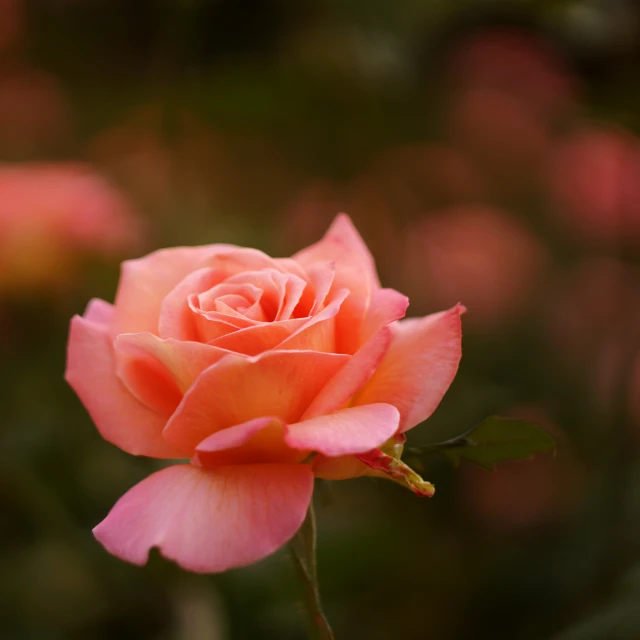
point(303, 553)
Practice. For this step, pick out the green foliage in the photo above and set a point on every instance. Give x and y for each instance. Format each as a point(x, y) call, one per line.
point(493, 440)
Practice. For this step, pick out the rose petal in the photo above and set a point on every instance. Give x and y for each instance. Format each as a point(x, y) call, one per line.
point(352, 377)
point(343, 244)
point(387, 306)
point(183, 361)
point(353, 430)
point(209, 520)
point(119, 417)
point(176, 319)
point(233, 260)
point(99, 311)
point(418, 367)
point(355, 271)
point(145, 282)
point(238, 389)
point(252, 442)
point(318, 333)
point(321, 277)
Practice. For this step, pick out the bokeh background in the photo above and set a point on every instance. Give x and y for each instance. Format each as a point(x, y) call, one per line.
point(487, 152)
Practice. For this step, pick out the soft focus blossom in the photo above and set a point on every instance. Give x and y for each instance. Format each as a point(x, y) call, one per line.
point(246, 366)
point(517, 63)
point(509, 91)
point(501, 134)
point(49, 214)
point(477, 254)
point(595, 185)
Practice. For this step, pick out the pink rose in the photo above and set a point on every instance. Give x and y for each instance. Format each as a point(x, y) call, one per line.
point(50, 214)
point(594, 179)
point(245, 366)
point(476, 253)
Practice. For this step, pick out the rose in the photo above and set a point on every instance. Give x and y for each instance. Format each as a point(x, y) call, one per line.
point(251, 367)
point(50, 216)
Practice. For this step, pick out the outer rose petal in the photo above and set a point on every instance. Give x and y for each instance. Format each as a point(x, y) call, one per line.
point(387, 306)
point(353, 430)
point(99, 312)
point(209, 520)
point(355, 271)
point(341, 243)
point(184, 360)
point(145, 282)
point(119, 417)
point(418, 367)
point(268, 439)
point(252, 442)
point(351, 378)
point(238, 389)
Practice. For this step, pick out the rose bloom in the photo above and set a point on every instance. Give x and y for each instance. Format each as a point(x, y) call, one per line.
point(49, 214)
point(260, 373)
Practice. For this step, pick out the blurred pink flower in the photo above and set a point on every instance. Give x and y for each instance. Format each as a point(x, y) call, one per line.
point(516, 63)
point(50, 213)
point(477, 254)
point(502, 135)
point(595, 184)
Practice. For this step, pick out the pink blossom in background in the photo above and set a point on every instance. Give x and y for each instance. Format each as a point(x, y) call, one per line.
point(509, 91)
point(478, 254)
point(516, 63)
point(520, 494)
point(501, 134)
point(244, 366)
point(51, 213)
point(595, 185)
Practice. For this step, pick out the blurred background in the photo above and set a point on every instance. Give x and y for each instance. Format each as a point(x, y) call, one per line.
point(487, 152)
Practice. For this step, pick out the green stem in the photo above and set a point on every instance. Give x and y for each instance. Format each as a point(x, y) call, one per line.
point(303, 552)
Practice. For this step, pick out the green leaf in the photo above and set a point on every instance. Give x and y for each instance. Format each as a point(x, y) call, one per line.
point(495, 439)
point(303, 552)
